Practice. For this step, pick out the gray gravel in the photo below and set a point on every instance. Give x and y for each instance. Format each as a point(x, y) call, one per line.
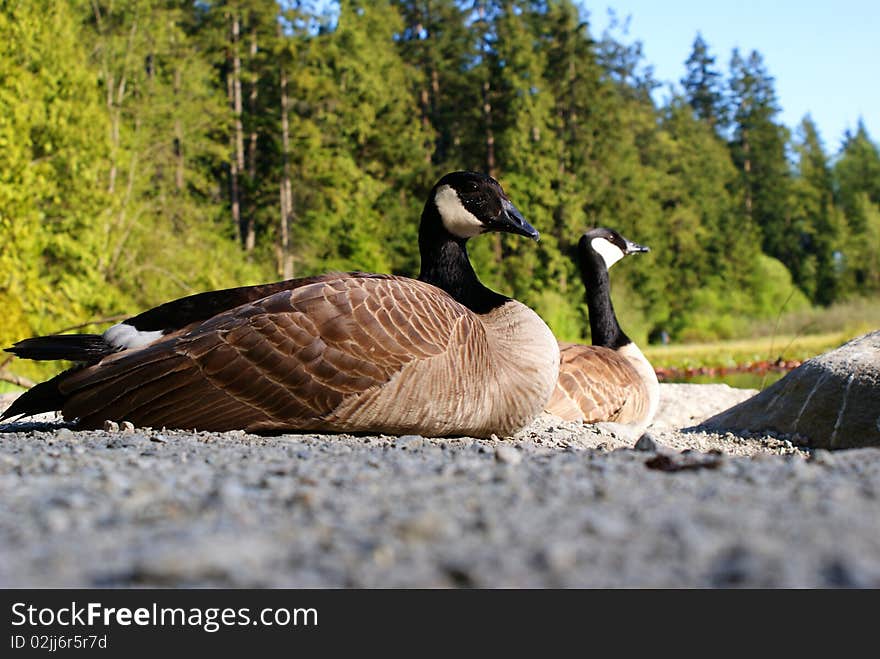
point(558, 505)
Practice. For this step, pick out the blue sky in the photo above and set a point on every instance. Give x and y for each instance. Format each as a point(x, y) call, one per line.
point(825, 56)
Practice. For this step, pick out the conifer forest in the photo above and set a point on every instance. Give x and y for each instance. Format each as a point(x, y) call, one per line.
point(150, 149)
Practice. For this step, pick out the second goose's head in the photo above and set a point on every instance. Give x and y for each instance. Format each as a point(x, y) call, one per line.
point(469, 203)
point(608, 245)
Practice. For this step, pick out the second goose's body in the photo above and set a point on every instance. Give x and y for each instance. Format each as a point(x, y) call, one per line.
point(350, 352)
point(610, 380)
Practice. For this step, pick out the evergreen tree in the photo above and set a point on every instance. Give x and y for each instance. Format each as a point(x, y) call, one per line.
point(758, 150)
point(53, 154)
point(707, 252)
point(815, 219)
point(703, 86)
point(165, 235)
point(857, 184)
point(858, 172)
point(528, 152)
point(623, 63)
point(356, 144)
point(438, 40)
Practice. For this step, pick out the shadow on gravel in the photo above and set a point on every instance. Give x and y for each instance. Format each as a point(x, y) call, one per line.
point(685, 462)
point(35, 426)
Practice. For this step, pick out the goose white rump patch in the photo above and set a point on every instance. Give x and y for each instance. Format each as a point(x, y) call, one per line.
point(609, 252)
point(125, 336)
point(458, 220)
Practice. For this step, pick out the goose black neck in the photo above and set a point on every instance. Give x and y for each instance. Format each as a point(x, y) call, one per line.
point(445, 264)
point(604, 328)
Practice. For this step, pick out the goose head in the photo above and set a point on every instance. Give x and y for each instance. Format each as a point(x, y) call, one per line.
point(598, 250)
point(470, 203)
point(608, 245)
point(460, 206)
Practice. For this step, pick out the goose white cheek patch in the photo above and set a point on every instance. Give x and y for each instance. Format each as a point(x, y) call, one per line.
point(609, 252)
point(127, 336)
point(458, 220)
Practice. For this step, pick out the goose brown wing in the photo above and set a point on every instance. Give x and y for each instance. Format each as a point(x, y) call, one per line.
point(285, 361)
point(597, 384)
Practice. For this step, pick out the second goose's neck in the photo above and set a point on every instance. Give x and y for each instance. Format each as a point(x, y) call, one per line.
point(445, 264)
point(604, 328)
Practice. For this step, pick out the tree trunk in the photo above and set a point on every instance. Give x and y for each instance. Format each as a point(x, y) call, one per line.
point(114, 136)
point(487, 100)
point(747, 168)
point(285, 258)
point(490, 135)
point(178, 139)
point(250, 231)
point(427, 98)
point(424, 102)
point(236, 166)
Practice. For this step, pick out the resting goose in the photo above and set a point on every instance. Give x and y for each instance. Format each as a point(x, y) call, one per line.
point(351, 352)
point(610, 380)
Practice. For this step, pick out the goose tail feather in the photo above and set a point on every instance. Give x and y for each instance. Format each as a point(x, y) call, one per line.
point(72, 347)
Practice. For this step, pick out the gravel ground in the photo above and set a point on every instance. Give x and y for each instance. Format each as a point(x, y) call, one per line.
point(557, 505)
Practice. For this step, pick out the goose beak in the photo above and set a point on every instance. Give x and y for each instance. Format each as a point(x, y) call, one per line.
point(635, 248)
point(512, 221)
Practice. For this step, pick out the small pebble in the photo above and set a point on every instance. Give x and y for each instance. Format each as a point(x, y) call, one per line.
point(159, 438)
point(111, 426)
point(646, 443)
point(127, 426)
point(409, 442)
point(64, 433)
point(507, 454)
point(559, 556)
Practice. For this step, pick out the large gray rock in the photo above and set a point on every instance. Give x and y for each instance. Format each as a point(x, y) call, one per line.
point(830, 401)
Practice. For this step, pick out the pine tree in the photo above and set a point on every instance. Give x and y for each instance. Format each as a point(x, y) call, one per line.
point(758, 150)
point(815, 219)
point(707, 252)
point(624, 63)
point(438, 40)
point(355, 144)
point(165, 235)
point(53, 155)
point(858, 172)
point(857, 183)
point(703, 86)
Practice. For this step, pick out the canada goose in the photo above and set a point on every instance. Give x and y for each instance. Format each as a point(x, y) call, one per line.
point(610, 380)
point(345, 352)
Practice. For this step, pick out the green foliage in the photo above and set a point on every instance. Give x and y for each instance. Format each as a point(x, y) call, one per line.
point(703, 85)
point(144, 149)
point(53, 147)
point(818, 225)
point(857, 186)
point(773, 288)
point(165, 233)
point(758, 150)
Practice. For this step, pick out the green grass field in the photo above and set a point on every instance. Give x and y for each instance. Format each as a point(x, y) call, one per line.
point(743, 351)
point(793, 336)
